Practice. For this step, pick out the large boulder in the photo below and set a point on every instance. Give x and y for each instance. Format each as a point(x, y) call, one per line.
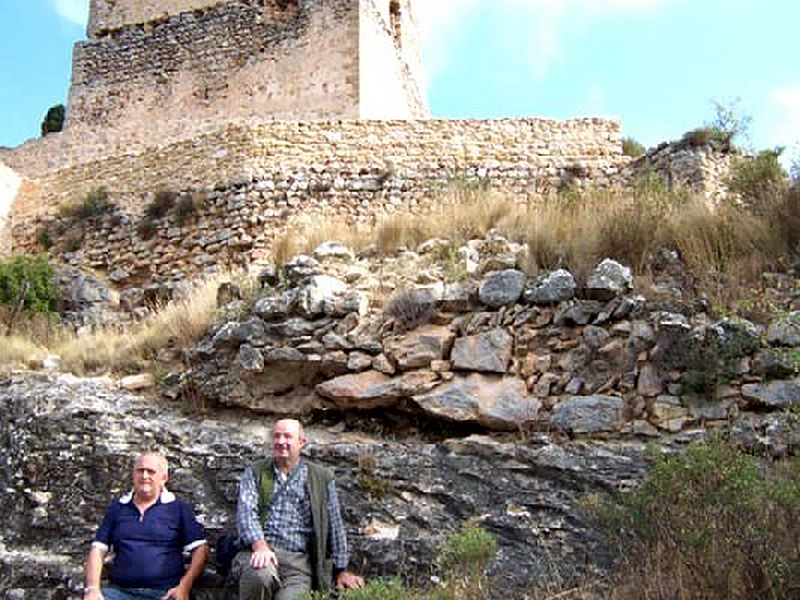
point(500, 403)
point(487, 352)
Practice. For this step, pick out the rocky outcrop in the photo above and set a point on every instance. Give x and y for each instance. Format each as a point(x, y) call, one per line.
point(68, 443)
point(514, 352)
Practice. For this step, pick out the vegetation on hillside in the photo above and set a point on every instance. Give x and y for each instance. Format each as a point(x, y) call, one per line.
point(708, 522)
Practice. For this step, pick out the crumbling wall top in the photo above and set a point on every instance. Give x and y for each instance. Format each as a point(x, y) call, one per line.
point(110, 15)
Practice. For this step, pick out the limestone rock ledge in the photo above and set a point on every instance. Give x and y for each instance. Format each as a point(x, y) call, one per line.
point(67, 443)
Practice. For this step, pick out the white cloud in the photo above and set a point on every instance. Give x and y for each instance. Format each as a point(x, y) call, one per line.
point(74, 11)
point(544, 21)
point(786, 129)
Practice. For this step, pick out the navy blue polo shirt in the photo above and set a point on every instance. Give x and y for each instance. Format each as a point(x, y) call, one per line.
point(148, 547)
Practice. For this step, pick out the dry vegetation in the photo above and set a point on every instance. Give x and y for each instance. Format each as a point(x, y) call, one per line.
point(177, 324)
point(725, 249)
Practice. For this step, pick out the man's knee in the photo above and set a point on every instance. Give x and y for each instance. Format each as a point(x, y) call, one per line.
point(254, 584)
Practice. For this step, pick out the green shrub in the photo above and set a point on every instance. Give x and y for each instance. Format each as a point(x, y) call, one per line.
point(29, 280)
point(464, 560)
point(707, 362)
point(146, 228)
point(760, 180)
point(729, 120)
point(376, 589)
point(630, 147)
point(703, 136)
point(709, 522)
point(94, 204)
point(53, 121)
point(381, 589)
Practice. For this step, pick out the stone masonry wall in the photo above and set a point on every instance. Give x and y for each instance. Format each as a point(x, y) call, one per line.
point(222, 63)
point(109, 15)
point(257, 180)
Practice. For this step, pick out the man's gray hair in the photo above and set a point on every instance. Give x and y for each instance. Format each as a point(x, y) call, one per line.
point(154, 453)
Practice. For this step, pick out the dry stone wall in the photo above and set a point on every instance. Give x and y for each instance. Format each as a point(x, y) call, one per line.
point(254, 181)
point(703, 168)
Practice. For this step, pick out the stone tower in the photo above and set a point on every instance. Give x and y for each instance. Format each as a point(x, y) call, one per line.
point(149, 66)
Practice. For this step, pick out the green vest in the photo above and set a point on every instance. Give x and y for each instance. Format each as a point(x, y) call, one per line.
point(317, 486)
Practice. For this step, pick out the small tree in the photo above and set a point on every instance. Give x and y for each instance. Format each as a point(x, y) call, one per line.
point(54, 119)
point(27, 282)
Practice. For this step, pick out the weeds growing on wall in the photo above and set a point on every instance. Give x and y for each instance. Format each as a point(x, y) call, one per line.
point(709, 522)
point(632, 148)
point(725, 249)
point(95, 203)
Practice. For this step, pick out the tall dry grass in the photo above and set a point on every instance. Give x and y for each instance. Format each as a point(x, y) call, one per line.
point(178, 323)
point(120, 349)
point(725, 249)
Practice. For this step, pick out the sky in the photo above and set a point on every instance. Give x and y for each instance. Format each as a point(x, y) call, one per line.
point(659, 66)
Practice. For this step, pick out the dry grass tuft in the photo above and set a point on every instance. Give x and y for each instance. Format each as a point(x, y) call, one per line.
point(178, 323)
point(15, 349)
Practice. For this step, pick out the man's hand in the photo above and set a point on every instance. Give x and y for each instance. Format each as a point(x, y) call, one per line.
point(176, 593)
point(262, 555)
point(92, 593)
point(346, 580)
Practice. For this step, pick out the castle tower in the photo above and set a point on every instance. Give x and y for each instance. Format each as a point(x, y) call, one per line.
point(151, 65)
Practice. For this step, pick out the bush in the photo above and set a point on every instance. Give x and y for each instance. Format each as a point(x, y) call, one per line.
point(710, 522)
point(94, 204)
point(630, 147)
point(465, 558)
point(708, 362)
point(380, 589)
point(53, 121)
point(377, 589)
point(146, 228)
point(187, 206)
point(28, 280)
point(760, 181)
point(162, 202)
point(411, 308)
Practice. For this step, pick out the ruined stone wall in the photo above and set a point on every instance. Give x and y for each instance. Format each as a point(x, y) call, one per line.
point(109, 15)
point(261, 179)
point(228, 61)
point(680, 165)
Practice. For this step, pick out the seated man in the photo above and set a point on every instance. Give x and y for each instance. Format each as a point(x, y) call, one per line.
point(288, 514)
point(149, 530)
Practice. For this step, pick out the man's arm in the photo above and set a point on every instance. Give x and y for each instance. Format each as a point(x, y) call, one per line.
point(92, 571)
point(248, 526)
point(338, 542)
point(181, 591)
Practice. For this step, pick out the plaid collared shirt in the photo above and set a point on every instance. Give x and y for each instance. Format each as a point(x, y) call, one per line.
point(288, 524)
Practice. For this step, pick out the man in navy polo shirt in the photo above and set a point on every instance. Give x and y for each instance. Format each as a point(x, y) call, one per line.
point(148, 530)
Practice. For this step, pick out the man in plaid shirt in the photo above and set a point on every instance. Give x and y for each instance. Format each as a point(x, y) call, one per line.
point(288, 514)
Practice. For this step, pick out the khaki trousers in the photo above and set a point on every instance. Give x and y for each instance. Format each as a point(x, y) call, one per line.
point(293, 576)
